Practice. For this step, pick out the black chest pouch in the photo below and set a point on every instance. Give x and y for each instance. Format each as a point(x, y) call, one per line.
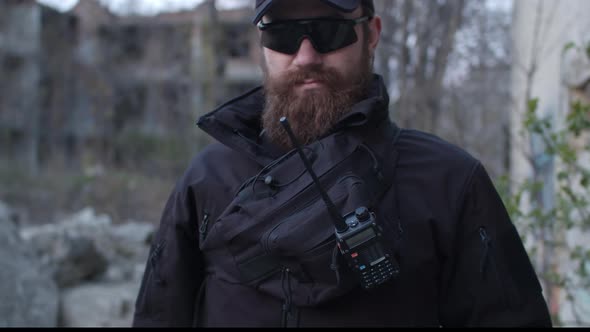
point(278, 222)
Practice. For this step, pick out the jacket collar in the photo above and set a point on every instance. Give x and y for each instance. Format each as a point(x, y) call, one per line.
point(237, 125)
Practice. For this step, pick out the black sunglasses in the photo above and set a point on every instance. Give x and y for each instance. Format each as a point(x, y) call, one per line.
point(326, 34)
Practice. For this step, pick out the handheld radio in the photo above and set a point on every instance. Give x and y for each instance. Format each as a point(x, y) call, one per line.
point(358, 234)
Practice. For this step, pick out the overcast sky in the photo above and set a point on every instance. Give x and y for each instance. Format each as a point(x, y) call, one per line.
point(147, 6)
point(155, 6)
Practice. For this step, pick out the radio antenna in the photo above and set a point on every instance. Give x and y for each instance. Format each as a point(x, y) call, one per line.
point(338, 220)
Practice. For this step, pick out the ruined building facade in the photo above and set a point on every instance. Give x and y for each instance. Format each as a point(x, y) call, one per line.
point(37, 47)
point(87, 85)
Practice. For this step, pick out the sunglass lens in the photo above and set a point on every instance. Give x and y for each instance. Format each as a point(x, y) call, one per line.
point(331, 36)
point(284, 38)
point(326, 36)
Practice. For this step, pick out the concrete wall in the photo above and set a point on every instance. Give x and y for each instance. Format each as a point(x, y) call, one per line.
point(20, 74)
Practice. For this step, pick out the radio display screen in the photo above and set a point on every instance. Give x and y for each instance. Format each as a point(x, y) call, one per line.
point(363, 236)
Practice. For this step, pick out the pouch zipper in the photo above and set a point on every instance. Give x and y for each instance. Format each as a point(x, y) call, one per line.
point(276, 213)
point(266, 242)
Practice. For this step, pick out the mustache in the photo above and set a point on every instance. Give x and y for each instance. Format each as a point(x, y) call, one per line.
point(328, 76)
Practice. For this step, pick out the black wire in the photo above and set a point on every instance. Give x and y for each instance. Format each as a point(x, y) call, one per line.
point(372, 154)
point(256, 178)
point(273, 164)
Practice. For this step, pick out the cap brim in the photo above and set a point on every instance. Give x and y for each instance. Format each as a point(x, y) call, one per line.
point(342, 5)
point(261, 10)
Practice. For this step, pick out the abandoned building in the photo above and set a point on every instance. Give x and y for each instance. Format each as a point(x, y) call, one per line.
point(87, 80)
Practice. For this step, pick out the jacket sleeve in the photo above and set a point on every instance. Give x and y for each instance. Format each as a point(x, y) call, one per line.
point(489, 280)
point(173, 272)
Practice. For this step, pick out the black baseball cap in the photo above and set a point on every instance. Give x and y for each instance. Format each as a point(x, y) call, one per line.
point(263, 6)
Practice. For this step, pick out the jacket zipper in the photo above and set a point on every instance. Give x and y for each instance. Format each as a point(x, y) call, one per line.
point(204, 227)
point(153, 262)
point(488, 253)
point(487, 244)
point(488, 259)
point(288, 292)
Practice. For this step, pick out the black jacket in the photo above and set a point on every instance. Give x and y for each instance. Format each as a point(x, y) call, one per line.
point(246, 241)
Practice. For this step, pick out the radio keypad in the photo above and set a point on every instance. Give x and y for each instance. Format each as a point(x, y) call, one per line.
point(377, 274)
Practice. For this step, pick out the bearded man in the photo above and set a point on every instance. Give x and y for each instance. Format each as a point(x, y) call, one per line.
point(366, 224)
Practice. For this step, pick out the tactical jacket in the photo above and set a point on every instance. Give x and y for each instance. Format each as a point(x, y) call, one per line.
point(245, 239)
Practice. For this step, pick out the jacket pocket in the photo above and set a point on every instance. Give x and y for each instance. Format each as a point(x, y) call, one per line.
point(152, 284)
point(495, 277)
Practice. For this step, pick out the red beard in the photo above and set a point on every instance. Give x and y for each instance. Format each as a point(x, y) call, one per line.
point(311, 113)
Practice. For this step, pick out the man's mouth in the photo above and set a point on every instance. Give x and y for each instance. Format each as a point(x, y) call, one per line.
point(309, 83)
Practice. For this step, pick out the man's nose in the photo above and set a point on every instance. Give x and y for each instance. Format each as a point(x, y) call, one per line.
point(307, 54)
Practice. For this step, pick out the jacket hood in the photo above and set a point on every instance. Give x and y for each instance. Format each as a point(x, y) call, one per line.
point(237, 124)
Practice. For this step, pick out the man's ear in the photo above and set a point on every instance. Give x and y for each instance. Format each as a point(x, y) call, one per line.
point(374, 33)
